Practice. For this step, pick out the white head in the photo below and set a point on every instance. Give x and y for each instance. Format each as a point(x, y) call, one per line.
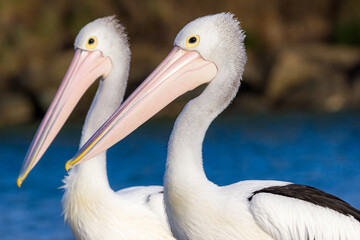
point(106, 35)
point(219, 39)
point(207, 50)
point(101, 52)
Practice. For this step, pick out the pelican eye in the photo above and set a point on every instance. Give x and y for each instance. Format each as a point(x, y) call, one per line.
point(91, 43)
point(192, 41)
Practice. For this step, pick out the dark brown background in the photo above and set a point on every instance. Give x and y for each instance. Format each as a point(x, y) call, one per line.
point(302, 55)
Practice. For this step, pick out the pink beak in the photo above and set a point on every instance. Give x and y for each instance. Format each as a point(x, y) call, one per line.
point(180, 71)
point(85, 68)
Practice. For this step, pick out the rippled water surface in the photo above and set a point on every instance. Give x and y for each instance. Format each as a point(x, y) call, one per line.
point(321, 150)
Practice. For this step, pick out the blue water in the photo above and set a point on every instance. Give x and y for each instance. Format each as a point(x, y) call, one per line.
point(321, 150)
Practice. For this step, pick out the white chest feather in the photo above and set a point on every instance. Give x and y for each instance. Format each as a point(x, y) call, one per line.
point(94, 212)
point(210, 213)
point(107, 216)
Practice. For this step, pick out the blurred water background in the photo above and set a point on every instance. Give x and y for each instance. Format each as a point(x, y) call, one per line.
point(321, 150)
point(295, 118)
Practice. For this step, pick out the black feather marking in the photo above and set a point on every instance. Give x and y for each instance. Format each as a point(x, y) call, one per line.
point(312, 195)
point(150, 195)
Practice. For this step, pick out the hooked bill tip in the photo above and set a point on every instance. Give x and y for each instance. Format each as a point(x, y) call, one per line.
point(67, 165)
point(18, 182)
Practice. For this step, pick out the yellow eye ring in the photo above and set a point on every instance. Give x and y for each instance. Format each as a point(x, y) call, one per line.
point(91, 43)
point(192, 41)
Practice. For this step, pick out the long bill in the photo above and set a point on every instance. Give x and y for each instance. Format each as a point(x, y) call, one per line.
point(179, 72)
point(85, 68)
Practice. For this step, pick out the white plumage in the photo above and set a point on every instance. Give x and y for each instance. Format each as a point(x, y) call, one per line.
point(291, 218)
point(92, 209)
point(211, 50)
point(199, 209)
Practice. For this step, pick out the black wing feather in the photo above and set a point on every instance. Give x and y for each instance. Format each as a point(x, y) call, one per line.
point(312, 195)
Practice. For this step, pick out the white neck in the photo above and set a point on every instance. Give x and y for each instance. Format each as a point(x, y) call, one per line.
point(186, 188)
point(91, 176)
point(86, 186)
point(184, 161)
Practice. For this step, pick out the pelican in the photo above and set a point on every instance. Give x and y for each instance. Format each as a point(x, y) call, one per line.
point(91, 208)
point(210, 50)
